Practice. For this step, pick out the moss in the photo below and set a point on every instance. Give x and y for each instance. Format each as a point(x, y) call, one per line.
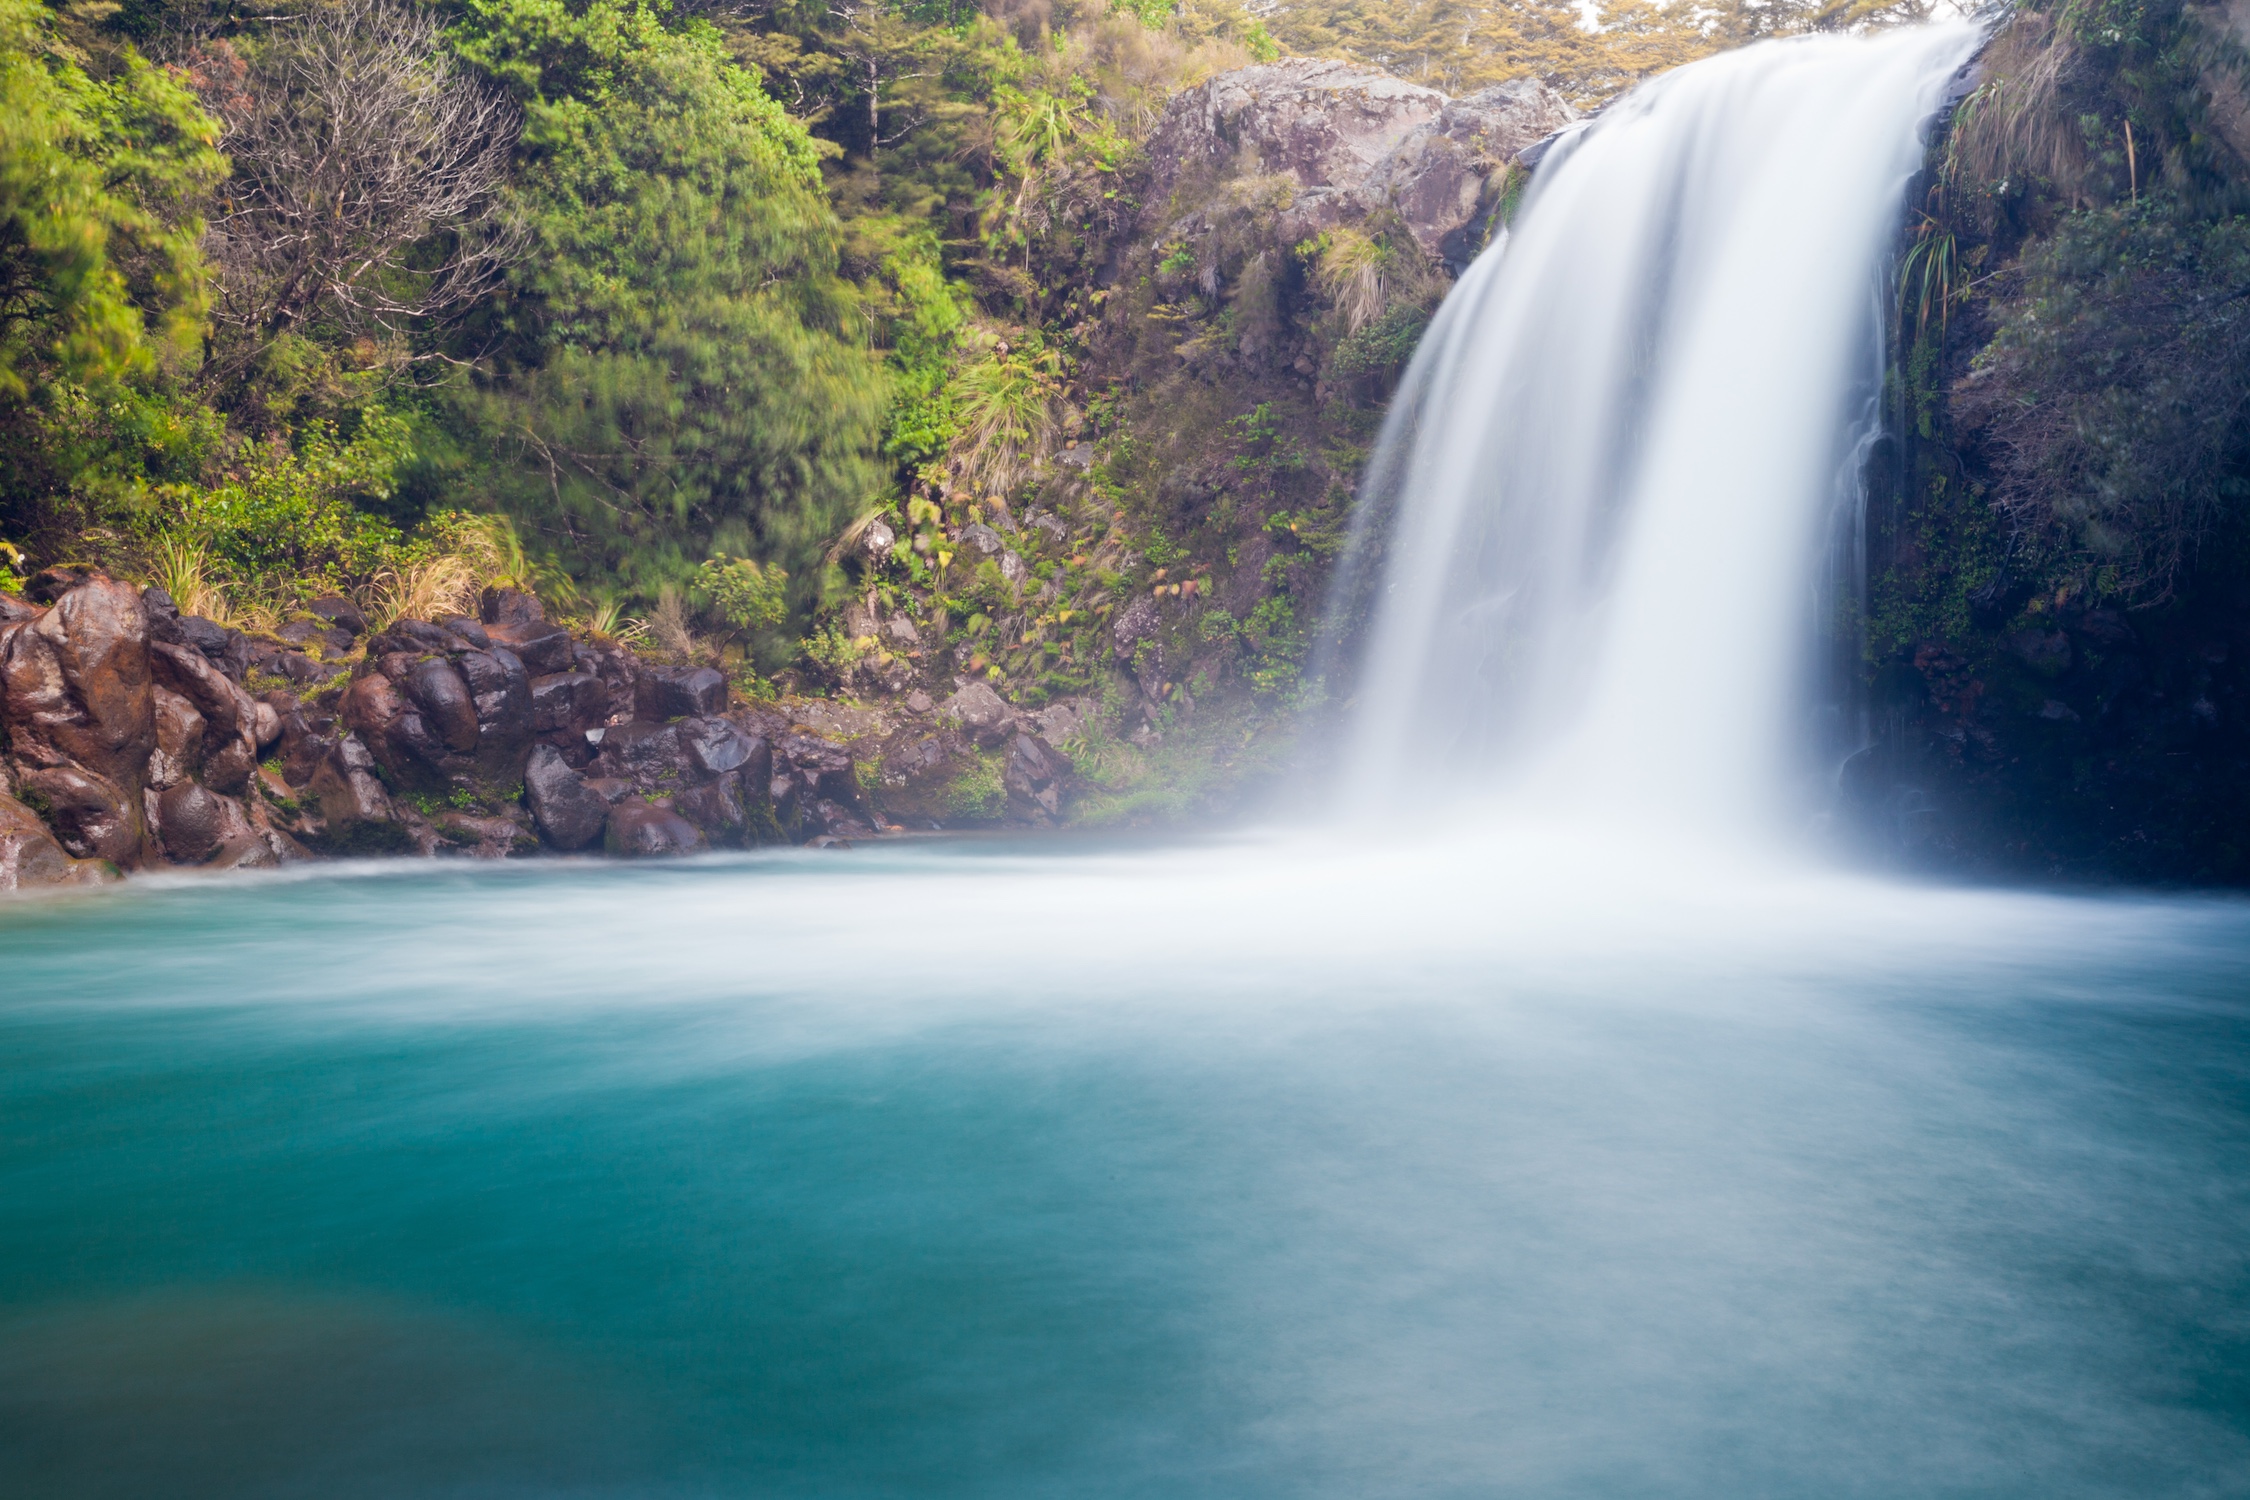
point(978, 792)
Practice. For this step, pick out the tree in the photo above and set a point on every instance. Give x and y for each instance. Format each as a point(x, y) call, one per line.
point(367, 180)
point(682, 377)
point(99, 185)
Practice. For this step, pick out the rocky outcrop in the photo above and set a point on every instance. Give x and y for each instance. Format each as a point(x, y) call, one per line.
point(1350, 141)
point(133, 740)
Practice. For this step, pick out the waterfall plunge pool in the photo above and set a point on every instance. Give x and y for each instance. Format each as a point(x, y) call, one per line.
point(1273, 1167)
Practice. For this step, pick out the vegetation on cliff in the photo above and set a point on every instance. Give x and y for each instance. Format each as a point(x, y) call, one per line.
point(2060, 560)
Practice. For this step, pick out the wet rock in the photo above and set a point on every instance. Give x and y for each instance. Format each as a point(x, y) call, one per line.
point(411, 638)
point(982, 714)
point(230, 715)
point(356, 812)
point(679, 692)
point(836, 821)
point(510, 607)
point(716, 746)
point(569, 813)
point(92, 816)
point(545, 649)
point(620, 673)
point(646, 754)
point(501, 688)
point(75, 686)
point(638, 829)
point(341, 613)
point(484, 836)
point(179, 739)
point(469, 632)
point(719, 808)
point(266, 724)
point(1036, 779)
point(314, 631)
point(567, 702)
point(190, 820)
point(449, 709)
point(31, 859)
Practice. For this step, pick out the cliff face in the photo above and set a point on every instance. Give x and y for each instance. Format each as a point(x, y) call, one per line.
point(2058, 637)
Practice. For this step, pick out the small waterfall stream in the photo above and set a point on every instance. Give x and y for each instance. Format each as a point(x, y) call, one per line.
point(1594, 521)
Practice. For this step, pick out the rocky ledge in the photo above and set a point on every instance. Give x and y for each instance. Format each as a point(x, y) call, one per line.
point(133, 737)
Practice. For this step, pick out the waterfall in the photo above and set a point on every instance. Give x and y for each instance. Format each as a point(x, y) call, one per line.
point(1591, 546)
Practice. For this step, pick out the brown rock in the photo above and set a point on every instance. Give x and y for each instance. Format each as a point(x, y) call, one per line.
point(641, 830)
point(30, 859)
point(92, 816)
point(75, 685)
point(230, 715)
point(190, 820)
point(179, 740)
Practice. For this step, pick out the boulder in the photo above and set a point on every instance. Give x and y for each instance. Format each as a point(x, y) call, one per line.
point(567, 703)
point(648, 755)
point(179, 740)
point(75, 687)
point(355, 811)
point(719, 808)
point(1352, 141)
point(92, 816)
point(341, 613)
point(982, 714)
point(679, 692)
point(639, 829)
point(230, 715)
point(510, 608)
point(501, 686)
point(717, 746)
point(570, 815)
point(190, 821)
point(1036, 779)
point(449, 710)
point(545, 648)
point(30, 859)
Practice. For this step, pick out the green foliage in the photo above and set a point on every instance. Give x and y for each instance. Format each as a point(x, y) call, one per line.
point(99, 268)
point(744, 594)
point(1384, 346)
point(680, 383)
point(291, 520)
point(2126, 364)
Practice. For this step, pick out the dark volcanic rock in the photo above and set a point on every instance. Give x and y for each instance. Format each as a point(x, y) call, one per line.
point(191, 821)
point(567, 703)
point(716, 746)
point(639, 829)
point(678, 692)
point(448, 707)
point(1036, 779)
point(570, 814)
point(719, 809)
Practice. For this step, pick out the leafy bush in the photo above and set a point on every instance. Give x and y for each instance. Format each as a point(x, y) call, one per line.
point(680, 383)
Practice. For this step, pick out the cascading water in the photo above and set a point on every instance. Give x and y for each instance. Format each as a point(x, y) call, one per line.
point(1594, 520)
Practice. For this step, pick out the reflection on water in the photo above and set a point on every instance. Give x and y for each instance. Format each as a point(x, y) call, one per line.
point(1259, 1168)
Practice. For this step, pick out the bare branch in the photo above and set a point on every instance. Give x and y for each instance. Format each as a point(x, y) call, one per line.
point(367, 186)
